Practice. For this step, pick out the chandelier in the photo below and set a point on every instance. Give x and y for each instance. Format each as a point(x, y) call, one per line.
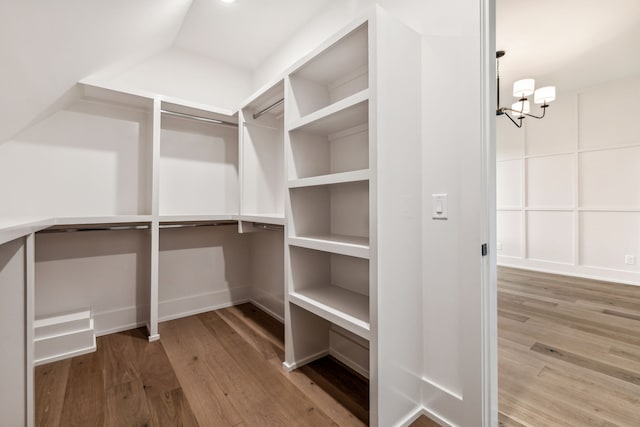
point(523, 89)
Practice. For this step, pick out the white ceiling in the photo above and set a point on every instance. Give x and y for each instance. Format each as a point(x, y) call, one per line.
point(571, 44)
point(246, 32)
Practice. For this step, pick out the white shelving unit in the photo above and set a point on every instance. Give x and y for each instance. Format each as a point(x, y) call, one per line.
point(352, 179)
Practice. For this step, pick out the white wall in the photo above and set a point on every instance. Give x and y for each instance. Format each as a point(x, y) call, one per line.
point(185, 75)
point(87, 159)
point(568, 186)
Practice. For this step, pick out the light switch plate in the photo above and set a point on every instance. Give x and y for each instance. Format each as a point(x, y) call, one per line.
point(630, 260)
point(440, 208)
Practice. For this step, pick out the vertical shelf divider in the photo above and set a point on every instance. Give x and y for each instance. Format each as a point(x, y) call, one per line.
point(155, 223)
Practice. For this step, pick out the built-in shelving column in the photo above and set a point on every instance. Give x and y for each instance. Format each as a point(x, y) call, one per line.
point(327, 153)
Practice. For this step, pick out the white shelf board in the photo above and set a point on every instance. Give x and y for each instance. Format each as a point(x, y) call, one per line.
point(198, 110)
point(276, 219)
point(12, 228)
point(266, 95)
point(340, 306)
point(346, 113)
point(334, 178)
point(338, 60)
point(109, 93)
point(334, 243)
point(197, 218)
point(102, 220)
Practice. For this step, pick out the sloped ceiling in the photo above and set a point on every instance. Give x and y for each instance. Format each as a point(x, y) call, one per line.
point(571, 44)
point(47, 46)
point(243, 34)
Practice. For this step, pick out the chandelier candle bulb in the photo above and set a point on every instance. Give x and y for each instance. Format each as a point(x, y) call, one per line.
point(544, 95)
point(523, 88)
point(520, 107)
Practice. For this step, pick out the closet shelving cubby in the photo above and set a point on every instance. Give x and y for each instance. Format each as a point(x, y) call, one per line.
point(328, 197)
point(262, 156)
point(332, 286)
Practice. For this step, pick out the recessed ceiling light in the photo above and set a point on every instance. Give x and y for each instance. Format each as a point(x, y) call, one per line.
point(228, 1)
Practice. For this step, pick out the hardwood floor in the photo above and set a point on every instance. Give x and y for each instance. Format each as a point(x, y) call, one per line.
point(221, 368)
point(569, 351)
point(569, 355)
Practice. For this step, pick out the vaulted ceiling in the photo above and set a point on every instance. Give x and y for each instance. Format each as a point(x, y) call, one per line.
point(47, 46)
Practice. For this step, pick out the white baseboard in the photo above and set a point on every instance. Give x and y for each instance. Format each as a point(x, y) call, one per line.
point(411, 417)
point(440, 404)
point(66, 355)
point(267, 310)
point(305, 360)
point(201, 303)
point(581, 271)
point(121, 319)
point(350, 349)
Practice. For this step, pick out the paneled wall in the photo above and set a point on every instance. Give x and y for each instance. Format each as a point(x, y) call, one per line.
point(568, 186)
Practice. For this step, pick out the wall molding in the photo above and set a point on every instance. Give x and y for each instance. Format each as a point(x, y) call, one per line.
point(441, 404)
point(582, 271)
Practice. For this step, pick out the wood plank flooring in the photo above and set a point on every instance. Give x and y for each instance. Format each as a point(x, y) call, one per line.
point(569, 355)
point(569, 351)
point(222, 368)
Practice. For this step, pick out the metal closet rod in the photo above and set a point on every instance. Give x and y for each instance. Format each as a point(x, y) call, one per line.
point(201, 119)
point(270, 227)
point(269, 108)
point(203, 224)
point(94, 228)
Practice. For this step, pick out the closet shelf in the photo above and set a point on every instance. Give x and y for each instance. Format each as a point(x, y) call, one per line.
point(344, 114)
point(334, 243)
point(103, 220)
point(276, 219)
point(176, 219)
point(340, 306)
point(334, 178)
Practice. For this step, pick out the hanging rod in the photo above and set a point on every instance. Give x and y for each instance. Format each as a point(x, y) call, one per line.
point(67, 229)
point(270, 227)
point(201, 119)
point(269, 108)
point(199, 224)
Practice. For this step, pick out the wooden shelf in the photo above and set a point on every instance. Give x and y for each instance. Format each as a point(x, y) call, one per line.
point(340, 306)
point(334, 243)
point(344, 114)
point(334, 178)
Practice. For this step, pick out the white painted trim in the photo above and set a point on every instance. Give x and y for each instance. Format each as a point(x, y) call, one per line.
point(585, 272)
point(305, 360)
point(346, 360)
point(438, 399)
point(30, 280)
point(266, 310)
point(153, 338)
point(435, 417)
point(118, 320)
point(195, 303)
point(67, 355)
point(411, 417)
